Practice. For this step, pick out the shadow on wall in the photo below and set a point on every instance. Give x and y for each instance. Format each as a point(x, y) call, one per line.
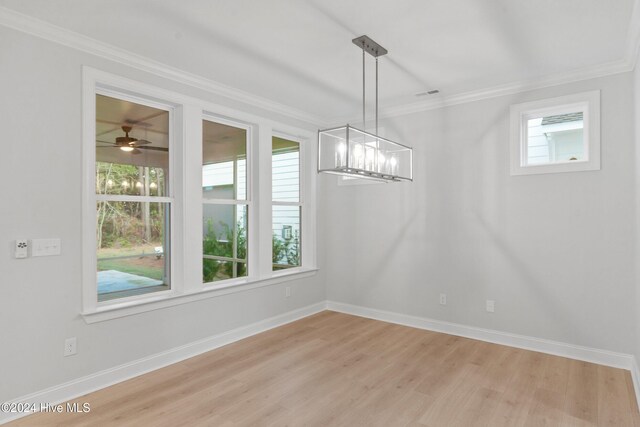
point(373, 274)
point(474, 174)
point(529, 282)
point(492, 174)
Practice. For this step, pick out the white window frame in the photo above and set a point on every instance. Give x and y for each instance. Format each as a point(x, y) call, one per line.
point(586, 102)
point(185, 186)
point(251, 224)
point(301, 196)
point(90, 289)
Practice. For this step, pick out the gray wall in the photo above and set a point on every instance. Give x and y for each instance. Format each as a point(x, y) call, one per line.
point(636, 119)
point(40, 190)
point(555, 251)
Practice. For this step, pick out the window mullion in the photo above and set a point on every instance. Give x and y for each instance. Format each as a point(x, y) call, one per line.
point(262, 193)
point(192, 206)
point(307, 203)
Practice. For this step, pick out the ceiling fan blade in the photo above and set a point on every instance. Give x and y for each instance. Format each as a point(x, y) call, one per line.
point(136, 151)
point(154, 148)
point(142, 142)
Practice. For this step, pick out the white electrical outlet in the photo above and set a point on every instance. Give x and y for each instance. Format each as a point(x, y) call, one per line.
point(287, 291)
point(491, 306)
point(443, 299)
point(70, 346)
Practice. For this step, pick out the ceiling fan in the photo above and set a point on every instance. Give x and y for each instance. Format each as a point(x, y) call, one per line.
point(130, 144)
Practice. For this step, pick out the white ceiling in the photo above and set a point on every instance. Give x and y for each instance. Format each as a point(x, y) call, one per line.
point(299, 53)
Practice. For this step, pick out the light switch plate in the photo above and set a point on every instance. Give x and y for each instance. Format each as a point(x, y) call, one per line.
point(45, 247)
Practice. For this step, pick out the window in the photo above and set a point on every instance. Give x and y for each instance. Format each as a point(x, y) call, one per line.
point(287, 209)
point(556, 135)
point(133, 203)
point(185, 199)
point(225, 202)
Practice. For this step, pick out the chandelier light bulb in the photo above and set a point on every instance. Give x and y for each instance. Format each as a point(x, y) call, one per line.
point(340, 159)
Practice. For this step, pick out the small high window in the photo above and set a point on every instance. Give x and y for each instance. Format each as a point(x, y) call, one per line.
point(556, 135)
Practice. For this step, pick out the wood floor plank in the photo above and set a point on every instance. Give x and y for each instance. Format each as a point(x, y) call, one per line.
point(478, 410)
point(581, 403)
point(546, 409)
point(451, 395)
point(333, 369)
point(614, 407)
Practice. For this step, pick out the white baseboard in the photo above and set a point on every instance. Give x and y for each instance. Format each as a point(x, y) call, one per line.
point(587, 354)
point(99, 380)
point(635, 376)
point(102, 379)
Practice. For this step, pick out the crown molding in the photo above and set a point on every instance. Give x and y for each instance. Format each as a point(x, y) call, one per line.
point(39, 28)
point(628, 63)
point(602, 70)
point(633, 36)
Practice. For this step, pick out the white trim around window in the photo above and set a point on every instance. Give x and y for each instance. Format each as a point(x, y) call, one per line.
point(186, 115)
point(586, 103)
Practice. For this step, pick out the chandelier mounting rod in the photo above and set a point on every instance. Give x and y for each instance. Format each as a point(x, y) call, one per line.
point(375, 50)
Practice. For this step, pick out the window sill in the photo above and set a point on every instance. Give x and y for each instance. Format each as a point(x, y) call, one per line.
point(560, 167)
point(117, 310)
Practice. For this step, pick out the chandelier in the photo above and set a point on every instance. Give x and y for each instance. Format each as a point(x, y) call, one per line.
point(357, 153)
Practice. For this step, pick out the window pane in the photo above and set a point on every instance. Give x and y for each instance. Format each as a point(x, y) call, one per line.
point(215, 270)
point(132, 148)
point(224, 161)
point(132, 244)
point(555, 139)
point(224, 242)
point(286, 251)
point(285, 163)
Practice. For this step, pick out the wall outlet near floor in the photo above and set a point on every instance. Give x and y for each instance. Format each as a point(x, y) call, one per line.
point(491, 306)
point(443, 299)
point(70, 347)
point(287, 291)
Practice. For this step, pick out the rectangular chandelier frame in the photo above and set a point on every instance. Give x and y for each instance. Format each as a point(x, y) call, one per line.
point(348, 151)
point(352, 152)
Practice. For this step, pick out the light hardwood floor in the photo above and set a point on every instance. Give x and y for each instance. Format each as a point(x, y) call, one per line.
point(336, 369)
